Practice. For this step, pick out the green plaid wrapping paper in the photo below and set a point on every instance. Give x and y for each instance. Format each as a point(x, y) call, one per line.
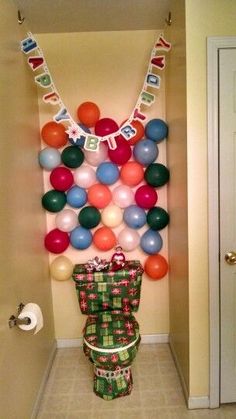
point(109, 290)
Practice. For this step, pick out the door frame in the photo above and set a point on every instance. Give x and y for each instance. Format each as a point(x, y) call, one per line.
point(214, 44)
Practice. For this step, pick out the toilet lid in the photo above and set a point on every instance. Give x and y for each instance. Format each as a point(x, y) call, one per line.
point(108, 331)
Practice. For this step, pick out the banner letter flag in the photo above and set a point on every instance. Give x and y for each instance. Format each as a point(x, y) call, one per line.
point(44, 80)
point(91, 143)
point(76, 134)
point(159, 62)
point(35, 62)
point(128, 132)
point(62, 115)
point(28, 45)
point(52, 98)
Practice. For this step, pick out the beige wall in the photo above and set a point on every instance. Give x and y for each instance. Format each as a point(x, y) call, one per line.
point(177, 190)
point(202, 19)
point(218, 19)
point(107, 68)
point(24, 263)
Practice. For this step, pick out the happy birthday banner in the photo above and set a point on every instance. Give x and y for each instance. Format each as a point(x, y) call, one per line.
point(44, 79)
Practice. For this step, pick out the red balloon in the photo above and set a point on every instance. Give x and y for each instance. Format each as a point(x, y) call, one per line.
point(146, 197)
point(61, 179)
point(99, 195)
point(105, 126)
point(56, 241)
point(156, 266)
point(104, 238)
point(122, 152)
point(132, 173)
point(140, 131)
point(88, 114)
point(54, 134)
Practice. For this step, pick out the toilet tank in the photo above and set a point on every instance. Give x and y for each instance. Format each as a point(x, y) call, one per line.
point(109, 290)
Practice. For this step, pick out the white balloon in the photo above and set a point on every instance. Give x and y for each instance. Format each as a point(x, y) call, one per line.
point(84, 176)
point(96, 157)
point(123, 196)
point(128, 239)
point(66, 220)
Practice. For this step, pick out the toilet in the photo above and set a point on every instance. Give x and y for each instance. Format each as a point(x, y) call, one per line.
point(111, 333)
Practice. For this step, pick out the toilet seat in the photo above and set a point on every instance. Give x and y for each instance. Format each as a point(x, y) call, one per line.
point(111, 332)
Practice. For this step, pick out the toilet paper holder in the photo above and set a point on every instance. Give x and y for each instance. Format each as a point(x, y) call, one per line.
point(14, 321)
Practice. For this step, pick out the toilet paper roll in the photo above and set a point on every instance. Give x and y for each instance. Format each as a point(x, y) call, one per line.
point(34, 313)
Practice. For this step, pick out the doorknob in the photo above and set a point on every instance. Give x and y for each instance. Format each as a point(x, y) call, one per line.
point(230, 258)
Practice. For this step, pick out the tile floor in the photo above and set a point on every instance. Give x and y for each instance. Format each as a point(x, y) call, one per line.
point(156, 394)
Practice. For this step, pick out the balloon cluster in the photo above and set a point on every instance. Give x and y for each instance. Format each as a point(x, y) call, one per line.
point(101, 189)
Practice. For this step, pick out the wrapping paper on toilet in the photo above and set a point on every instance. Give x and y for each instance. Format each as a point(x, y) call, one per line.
point(109, 290)
point(34, 313)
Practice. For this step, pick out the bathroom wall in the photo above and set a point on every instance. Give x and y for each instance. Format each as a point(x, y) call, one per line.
point(189, 327)
point(24, 263)
point(107, 68)
point(177, 191)
point(203, 19)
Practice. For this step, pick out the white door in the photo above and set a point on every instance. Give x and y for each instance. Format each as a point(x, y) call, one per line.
point(227, 183)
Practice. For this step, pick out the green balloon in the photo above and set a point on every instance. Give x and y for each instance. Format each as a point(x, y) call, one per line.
point(156, 174)
point(72, 156)
point(89, 217)
point(157, 218)
point(54, 201)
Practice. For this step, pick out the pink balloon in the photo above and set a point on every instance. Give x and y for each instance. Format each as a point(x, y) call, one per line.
point(84, 176)
point(105, 126)
point(128, 239)
point(61, 179)
point(66, 220)
point(146, 197)
point(96, 157)
point(122, 152)
point(123, 196)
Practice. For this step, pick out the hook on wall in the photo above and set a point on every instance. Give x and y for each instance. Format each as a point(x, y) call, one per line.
point(21, 19)
point(168, 20)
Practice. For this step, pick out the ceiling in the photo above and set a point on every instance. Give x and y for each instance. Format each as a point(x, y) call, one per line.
point(46, 16)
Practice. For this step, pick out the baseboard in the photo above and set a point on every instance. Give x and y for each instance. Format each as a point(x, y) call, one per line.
point(198, 402)
point(192, 402)
point(145, 339)
point(44, 381)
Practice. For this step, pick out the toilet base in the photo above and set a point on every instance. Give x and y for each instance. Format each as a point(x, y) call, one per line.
point(112, 384)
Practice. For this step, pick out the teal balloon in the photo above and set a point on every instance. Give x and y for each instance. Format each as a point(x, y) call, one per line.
point(157, 218)
point(156, 130)
point(54, 201)
point(156, 174)
point(72, 157)
point(89, 217)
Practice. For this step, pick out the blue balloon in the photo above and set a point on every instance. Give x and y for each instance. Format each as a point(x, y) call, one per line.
point(107, 173)
point(76, 197)
point(49, 158)
point(134, 216)
point(151, 242)
point(81, 238)
point(156, 130)
point(145, 152)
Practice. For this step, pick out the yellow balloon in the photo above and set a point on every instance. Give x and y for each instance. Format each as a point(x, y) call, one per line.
point(112, 216)
point(61, 268)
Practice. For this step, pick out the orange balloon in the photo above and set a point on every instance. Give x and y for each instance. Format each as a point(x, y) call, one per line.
point(99, 195)
point(104, 239)
point(88, 114)
point(132, 173)
point(139, 131)
point(156, 266)
point(54, 134)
